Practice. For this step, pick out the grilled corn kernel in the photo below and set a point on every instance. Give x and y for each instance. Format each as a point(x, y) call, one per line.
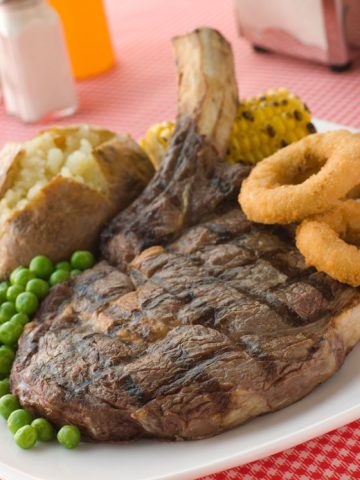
point(263, 125)
point(156, 141)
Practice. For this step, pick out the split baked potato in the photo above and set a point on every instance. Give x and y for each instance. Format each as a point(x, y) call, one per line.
point(58, 189)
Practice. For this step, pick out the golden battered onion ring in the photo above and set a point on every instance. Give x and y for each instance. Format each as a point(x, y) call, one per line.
point(322, 241)
point(302, 179)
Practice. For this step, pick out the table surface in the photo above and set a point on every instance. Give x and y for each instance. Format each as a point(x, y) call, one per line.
point(141, 90)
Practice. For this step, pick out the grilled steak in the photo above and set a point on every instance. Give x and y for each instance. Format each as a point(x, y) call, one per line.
point(224, 324)
point(193, 179)
point(218, 321)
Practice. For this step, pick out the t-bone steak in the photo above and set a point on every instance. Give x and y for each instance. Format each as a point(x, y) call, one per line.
point(198, 319)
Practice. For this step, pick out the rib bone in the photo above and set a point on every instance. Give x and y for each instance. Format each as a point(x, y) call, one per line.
point(193, 178)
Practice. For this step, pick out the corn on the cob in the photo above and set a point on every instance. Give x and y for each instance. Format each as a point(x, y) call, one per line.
point(263, 125)
point(156, 141)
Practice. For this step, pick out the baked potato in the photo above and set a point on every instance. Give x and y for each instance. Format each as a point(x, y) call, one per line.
point(58, 189)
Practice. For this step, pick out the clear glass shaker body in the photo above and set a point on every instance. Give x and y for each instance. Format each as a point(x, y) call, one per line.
point(36, 76)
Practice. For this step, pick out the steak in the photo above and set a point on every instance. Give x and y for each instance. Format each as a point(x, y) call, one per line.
point(198, 319)
point(193, 178)
point(222, 325)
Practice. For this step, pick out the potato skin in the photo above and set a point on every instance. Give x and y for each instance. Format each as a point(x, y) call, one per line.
point(126, 168)
point(66, 215)
point(10, 157)
point(62, 217)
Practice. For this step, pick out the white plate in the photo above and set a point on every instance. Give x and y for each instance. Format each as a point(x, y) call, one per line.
point(333, 404)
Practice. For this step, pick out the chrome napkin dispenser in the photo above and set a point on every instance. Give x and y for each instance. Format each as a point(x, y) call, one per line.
point(326, 31)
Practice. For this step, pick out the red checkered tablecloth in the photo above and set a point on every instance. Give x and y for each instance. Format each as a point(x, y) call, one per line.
point(141, 90)
point(334, 456)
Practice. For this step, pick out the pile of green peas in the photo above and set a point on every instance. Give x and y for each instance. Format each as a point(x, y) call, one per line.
point(19, 299)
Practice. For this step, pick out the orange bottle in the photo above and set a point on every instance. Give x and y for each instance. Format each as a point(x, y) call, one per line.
point(87, 36)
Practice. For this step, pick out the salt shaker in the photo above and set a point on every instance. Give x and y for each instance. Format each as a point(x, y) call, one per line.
point(36, 76)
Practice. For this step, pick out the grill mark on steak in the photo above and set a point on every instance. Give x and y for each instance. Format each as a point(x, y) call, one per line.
point(265, 294)
point(297, 272)
point(270, 296)
point(186, 364)
point(135, 390)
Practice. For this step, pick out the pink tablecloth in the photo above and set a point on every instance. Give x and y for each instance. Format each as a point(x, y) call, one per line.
point(142, 90)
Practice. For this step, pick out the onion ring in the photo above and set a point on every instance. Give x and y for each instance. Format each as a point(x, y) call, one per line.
point(302, 179)
point(322, 241)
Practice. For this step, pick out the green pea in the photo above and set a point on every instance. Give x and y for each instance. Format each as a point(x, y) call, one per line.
point(39, 287)
point(13, 292)
point(69, 436)
point(63, 266)
point(7, 310)
point(18, 418)
point(8, 403)
point(74, 272)
point(26, 437)
point(82, 259)
point(27, 302)
point(22, 276)
point(13, 273)
point(7, 357)
point(42, 266)
point(3, 290)
point(59, 276)
point(10, 332)
point(45, 430)
point(4, 387)
point(20, 318)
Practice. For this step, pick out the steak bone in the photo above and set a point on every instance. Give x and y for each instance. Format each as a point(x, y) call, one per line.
point(193, 178)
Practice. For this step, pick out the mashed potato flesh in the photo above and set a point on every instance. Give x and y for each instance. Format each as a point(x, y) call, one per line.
point(51, 154)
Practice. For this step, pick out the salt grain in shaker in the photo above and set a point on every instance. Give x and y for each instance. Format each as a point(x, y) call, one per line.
point(36, 76)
